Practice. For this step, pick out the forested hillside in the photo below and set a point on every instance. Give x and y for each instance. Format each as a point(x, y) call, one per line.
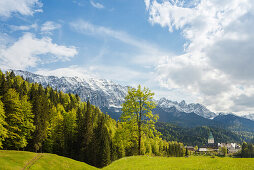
point(39, 119)
point(197, 135)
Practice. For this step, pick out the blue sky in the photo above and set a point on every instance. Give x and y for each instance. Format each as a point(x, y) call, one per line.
point(181, 50)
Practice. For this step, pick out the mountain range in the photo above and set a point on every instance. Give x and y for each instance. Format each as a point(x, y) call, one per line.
point(109, 96)
point(249, 116)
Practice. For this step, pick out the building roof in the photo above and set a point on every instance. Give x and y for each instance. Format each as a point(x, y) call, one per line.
point(202, 149)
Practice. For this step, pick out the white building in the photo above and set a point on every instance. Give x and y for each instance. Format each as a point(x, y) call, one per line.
point(231, 147)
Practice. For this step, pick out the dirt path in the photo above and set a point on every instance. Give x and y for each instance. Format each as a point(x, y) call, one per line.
point(31, 162)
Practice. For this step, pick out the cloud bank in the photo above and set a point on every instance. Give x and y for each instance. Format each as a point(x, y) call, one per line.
point(23, 7)
point(218, 63)
point(29, 51)
point(96, 4)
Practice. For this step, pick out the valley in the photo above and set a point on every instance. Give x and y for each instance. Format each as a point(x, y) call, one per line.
point(109, 96)
point(10, 160)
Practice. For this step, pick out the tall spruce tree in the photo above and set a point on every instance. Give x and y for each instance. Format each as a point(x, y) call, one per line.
point(88, 134)
point(41, 112)
point(14, 119)
point(3, 130)
point(4, 85)
point(27, 126)
point(104, 152)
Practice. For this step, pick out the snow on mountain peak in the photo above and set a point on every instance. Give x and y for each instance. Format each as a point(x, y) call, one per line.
point(100, 92)
point(105, 93)
point(249, 116)
point(187, 108)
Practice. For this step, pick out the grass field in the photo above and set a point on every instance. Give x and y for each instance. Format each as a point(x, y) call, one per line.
point(13, 160)
point(27, 160)
point(193, 162)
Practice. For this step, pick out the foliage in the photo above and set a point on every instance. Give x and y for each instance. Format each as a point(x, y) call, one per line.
point(247, 150)
point(195, 136)
point(137, 113)
point(223, 151)
point(41, 119)
point(3, 130)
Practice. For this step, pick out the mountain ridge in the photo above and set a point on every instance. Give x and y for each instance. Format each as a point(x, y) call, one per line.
point(104, 93)
point(109, 96)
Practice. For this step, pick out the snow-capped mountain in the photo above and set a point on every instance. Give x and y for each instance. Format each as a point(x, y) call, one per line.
point(106, 94)
point(249, 116)
point(100, 92)
point(187, 108)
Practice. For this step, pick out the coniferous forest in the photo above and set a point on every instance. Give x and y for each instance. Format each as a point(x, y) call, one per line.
point(42, 119)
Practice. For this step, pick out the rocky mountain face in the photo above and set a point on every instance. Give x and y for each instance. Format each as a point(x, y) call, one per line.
point(196, 108)
point(108, 95)
point(249, 116)
point(100, 92)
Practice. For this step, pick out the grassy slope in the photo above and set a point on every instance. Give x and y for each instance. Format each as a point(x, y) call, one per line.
point(18, 160)
point(15, 159)
point(194, 162)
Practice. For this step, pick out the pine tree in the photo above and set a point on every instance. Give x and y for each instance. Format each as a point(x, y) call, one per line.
point(103, 157)
point(27, 126)
point(79, 134)
point(244, 151)
point(69, 126)
point(88, 134)
point(3, 86)
point(3, 130)
point(14, 120)
point(186, 152)
point(23, 89)
point(121, 150)
point(41, 112)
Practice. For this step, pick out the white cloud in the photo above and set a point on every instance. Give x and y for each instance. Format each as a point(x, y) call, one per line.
point(96, 4)
point(23, 7)
point(88, 28)
point(218, 62)
point(49, 26)
point(29, 51)
point(147, 53)
point(23, 27)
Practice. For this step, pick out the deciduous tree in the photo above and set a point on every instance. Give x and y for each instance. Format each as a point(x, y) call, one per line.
point(137, 112)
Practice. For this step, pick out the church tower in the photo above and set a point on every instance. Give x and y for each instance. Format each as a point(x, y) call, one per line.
point(210, 139)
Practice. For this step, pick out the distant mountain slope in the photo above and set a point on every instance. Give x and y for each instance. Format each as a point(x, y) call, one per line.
point(249, 116)
point(187, 108)
point(197, 135)
point(190, 120)
point(106, 94)
point(235, 123)
point(100, 92)
point(172, 115)
point(109, 96)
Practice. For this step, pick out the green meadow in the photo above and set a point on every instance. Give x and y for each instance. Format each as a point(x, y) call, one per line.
point(28, 160)
point(13, 160)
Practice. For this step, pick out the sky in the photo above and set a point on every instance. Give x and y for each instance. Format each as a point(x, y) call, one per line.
point(200, 51)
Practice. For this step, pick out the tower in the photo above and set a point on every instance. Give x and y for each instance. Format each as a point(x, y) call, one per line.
point(210, 139)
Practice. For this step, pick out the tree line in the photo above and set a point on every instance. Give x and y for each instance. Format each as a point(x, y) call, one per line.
point(197, 135)
point(43, 119)
point(247, 150)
